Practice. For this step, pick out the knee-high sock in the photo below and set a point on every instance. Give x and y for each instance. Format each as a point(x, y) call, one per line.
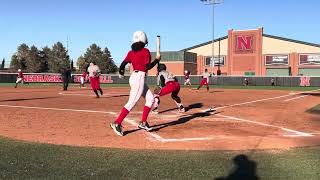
point(123, 114)
point(96, 92)
point(101, 92)
point(146, 111)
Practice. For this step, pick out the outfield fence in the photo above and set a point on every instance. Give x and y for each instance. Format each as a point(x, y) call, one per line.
point(292, 81)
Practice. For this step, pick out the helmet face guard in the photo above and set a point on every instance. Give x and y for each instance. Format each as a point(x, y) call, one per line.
point(140, 36)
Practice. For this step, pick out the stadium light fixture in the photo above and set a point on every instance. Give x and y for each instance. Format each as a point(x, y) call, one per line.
point(213, 3)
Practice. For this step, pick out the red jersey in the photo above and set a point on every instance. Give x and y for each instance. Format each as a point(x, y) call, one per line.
point(139, 59)
point(20, 74)
point(84, 75)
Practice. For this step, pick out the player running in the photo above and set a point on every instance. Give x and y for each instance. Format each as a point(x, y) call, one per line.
point(20, 78)
point(205, 79)
point(140, 59)
point(187, 78)
point(83, 78)
point(94, 73)
point(168, 84)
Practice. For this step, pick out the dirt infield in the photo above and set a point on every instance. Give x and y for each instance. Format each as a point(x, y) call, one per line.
point(238, 119)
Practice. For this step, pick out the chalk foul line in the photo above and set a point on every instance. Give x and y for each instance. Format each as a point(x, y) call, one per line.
point(297, 133)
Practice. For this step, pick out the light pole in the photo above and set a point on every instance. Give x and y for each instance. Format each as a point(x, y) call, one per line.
point(213, 3)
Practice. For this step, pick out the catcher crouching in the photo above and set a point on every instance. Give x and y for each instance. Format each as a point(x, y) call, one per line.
point(167, 84)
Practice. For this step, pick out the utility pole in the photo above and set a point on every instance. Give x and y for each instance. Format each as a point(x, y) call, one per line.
point(213, 3)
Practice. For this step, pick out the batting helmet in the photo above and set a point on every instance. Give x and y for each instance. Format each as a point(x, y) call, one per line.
point(162, 67)
point(140, 36)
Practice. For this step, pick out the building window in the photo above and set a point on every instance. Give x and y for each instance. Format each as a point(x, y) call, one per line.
point(217, 62)
point(309, 59)
point(276, 59)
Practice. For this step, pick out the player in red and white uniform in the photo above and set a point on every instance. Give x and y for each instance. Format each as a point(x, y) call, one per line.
point(83, 78)
point(140, 59)
point(168, 84)
point(94, 73)
point(187, 78)
point(205, 79)
point(20, 78)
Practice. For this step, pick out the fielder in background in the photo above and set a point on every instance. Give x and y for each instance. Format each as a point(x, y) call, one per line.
point(167, 84)
point(20, 78)
point(205, 79)
point(94, 73)
point(83, 78)
point(187, 78)
point(140, 59)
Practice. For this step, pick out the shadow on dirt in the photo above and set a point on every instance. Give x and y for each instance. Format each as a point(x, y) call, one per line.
point(28, 99)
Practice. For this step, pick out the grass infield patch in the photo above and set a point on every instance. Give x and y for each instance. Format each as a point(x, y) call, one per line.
point(23, 160)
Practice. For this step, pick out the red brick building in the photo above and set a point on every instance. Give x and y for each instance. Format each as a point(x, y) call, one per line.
point(247, 52)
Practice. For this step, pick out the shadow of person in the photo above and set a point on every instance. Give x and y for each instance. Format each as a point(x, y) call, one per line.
point(244, 169)
point(191, 106)
point(182, 120)
point(28, 99)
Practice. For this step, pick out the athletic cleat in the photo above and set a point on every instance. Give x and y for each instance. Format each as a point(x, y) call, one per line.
point(182, 109)
point(155, 111)
point(117, 129)
point(145, 126)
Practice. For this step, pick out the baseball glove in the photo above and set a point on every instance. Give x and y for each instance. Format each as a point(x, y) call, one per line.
point(157, 90)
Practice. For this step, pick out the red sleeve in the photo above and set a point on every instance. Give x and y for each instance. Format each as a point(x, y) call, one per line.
point(148, 55)
point(128, 58)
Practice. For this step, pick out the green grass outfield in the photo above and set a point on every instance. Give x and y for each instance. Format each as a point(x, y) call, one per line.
point(211, 86)
point(23, 160)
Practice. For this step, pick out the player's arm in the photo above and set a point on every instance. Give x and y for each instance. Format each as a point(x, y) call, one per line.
point(124, 63)
point(153, 63)
point(162, 81)
point(122, 67)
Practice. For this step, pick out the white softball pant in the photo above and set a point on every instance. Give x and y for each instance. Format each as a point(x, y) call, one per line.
point(138, 89)
point(82, 80)
point(19, 80)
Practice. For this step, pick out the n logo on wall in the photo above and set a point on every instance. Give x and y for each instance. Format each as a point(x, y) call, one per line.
point(305, 81)
point(244, 44)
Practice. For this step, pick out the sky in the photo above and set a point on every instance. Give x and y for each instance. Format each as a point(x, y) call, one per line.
point(180, 23)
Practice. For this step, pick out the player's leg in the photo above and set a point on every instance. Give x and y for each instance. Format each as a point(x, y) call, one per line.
point(167, 89)
point(64, 83)
point(17, 81)
point(93, 86)
point(201, 83)
point(207, 84)
point(147, 94)
point(98, 86)
point(67, 83)
point(155, 107)
point(136, 82)
point(176, 98)
point(81, 81)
